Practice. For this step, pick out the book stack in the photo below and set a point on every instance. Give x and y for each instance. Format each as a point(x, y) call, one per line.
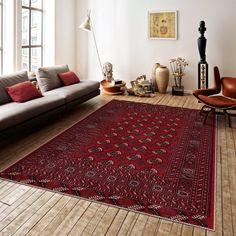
point(115, 82)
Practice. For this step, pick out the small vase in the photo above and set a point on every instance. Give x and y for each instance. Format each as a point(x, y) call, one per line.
point(155, 66)
point(162, 78)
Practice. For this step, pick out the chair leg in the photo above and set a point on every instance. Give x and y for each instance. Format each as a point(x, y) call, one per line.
point(202, 110)
point(211, 110)
point(228, 117)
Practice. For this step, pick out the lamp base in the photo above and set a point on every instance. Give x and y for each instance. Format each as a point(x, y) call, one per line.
point(178, 91)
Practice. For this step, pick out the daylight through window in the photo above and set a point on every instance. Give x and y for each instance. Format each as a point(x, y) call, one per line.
point(32, 45)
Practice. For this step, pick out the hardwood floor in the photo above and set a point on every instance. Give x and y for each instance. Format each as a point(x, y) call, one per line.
point(30, 211)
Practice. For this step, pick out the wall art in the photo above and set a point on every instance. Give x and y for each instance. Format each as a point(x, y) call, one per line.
point(162, 24)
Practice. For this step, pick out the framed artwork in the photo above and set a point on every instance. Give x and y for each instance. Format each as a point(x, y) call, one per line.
point(162, 25)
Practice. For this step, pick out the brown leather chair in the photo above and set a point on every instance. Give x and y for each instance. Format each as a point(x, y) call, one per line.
point(211, 98)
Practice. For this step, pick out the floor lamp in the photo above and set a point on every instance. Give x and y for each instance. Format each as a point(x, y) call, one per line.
point(87, 26)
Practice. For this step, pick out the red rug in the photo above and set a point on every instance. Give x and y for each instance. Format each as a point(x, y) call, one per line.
point(155, 159)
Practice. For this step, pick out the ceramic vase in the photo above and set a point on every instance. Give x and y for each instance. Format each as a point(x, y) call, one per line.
point(155, 66)
point(162, 78)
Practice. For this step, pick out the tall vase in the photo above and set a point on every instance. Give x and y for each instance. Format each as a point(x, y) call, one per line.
point(162, 78)
point(155, 66)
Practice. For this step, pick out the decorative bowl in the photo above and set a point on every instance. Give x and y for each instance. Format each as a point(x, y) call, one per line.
point(109, 88)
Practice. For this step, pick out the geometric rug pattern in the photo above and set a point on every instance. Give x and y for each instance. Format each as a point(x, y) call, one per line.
point(158, 160)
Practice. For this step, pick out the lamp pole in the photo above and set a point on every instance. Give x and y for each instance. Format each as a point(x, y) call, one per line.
point(88, 26)
point(96, 46)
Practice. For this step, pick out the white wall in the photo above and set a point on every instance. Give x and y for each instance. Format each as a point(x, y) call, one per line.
point(65, 33)
point(82, 40)
point(121, 29)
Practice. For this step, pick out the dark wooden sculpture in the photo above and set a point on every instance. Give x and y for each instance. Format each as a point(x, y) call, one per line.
point(202, 41)
point(202, 65)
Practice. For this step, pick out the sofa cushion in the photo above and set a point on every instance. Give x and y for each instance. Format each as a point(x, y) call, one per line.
point(75, 91)
point(47, 77)
point(68, 78)
point(9, 80)
point(23, 92)
point(15, 113)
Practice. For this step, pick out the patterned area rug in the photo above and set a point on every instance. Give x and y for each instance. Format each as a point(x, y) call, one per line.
point(155, 159)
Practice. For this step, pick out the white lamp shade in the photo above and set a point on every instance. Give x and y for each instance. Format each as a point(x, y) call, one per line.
point(86, 25)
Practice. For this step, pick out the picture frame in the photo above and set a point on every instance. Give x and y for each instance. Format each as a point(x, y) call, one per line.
point(162, 25)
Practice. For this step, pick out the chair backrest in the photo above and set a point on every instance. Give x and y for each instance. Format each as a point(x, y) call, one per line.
point(229, 87)
point(217, 80)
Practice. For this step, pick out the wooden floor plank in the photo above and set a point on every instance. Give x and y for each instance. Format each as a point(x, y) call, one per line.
point(43, 223)
point(199, 232)
point(15, 194)
point(218, 192)
point(62, 214)
point(8, 209)
point(151, 226)
point(128, 224)
point(164, 227)
point(187, 230)
point(231, 155)
point(13, 226)
point(105, 222)
point(32, 221)
point(7, 219)
point(2, 184)
point(176, 229)
point(92, 225)
point(85, 218)
point(3, 207)
point(70, 220)
point(7, 188)
point(117, 222)
point(139, 225)
point(226, 197)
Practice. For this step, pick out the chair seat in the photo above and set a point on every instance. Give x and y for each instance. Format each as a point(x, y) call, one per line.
point(213, 100)
point(218, 101)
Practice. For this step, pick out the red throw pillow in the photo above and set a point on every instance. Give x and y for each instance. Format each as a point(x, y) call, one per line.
point(68, 78)
point(23, 92)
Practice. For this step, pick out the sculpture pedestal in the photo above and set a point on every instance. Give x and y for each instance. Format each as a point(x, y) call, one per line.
point(202, 75)
point(178, 91)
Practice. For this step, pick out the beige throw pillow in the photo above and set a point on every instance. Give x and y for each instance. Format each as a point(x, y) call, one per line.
point(47, 77)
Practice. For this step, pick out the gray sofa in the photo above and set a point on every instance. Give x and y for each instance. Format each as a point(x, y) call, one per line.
point(56, 99)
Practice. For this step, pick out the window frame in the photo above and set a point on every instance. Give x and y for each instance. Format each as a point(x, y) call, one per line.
point(30, 46)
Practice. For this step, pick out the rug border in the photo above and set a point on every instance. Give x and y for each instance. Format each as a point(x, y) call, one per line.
point(214, 169)
point(103, 203)
point(214, 186)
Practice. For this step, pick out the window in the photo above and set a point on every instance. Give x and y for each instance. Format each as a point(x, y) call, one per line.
point(1, 36)
point(32, 37)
